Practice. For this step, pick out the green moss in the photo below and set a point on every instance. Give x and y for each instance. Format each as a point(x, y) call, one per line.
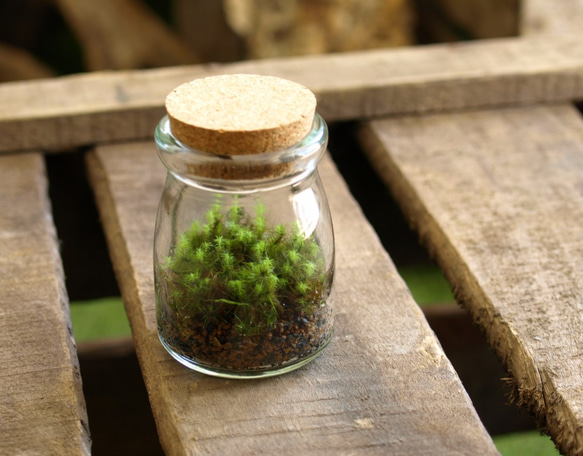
point(236, 268)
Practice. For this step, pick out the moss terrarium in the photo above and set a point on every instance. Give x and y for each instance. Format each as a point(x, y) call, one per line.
point(243, 296)
point(244, 246)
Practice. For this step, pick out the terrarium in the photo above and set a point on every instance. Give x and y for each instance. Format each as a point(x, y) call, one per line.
point(244, 245)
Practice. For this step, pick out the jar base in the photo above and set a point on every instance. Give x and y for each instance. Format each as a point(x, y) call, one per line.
point(241, 375)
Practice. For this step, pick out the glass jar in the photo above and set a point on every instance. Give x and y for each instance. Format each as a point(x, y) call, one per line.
point(243, 250)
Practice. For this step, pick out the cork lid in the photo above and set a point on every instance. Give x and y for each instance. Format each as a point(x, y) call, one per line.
point(240, 114)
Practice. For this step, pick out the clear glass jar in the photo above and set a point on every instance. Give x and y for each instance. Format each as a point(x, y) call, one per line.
point(243, 257)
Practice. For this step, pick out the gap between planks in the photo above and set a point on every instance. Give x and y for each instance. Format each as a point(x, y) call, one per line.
point(497, 195)
point(383, 386)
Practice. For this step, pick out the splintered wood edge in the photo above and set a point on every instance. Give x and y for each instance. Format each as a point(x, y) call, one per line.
point(535, 389)
point(43, 366)
point(240, 113)
point(465, 287)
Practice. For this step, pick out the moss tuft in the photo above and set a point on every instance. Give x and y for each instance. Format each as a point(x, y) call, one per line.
point(235, 268)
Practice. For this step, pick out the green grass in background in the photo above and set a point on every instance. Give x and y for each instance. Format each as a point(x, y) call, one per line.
point(427, 284)
point(525, 444)
point(99, 319)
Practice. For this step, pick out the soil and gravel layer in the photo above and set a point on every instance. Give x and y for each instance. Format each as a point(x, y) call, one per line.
point(219, 345)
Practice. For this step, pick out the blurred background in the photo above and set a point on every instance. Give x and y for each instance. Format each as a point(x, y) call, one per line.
point(43, 38)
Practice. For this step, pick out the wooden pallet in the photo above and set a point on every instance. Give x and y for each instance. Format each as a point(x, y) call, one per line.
point(478, 142)
point(42, 407)
point(496, 195)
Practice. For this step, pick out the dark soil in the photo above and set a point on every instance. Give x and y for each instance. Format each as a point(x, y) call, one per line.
point(219, 345)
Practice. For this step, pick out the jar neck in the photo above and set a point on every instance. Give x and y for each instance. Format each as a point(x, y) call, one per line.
point(282, 167)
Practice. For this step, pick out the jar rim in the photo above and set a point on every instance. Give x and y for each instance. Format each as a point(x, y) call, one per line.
point(209, 168)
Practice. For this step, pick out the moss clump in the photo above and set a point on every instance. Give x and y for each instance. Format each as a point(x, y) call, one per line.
point(234, 268)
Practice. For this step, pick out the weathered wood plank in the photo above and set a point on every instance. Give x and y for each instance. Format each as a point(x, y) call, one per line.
point(305, 27)
point(42, 410)
point(101, 107)
point(204, 26)
point(498, 197)
point(18, 64)
point(122, 34)
point(383, 386)
point(455, 20)
point(551, 18)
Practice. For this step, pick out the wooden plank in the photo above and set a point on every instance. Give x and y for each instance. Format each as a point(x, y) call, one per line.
point(101, 107)
point(551, 18)
point(204, 27)
point(455, 20)
point(42, 410)
point(122, 34)
point(18, 64)
point(383, 386)
point(305, 27)
point(498, 197)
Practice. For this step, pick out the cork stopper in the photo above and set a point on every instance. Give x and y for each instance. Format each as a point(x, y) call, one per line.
point(240, 114)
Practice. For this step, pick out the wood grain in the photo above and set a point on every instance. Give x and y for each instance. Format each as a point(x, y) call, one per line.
point(498, 197)
point(101, 107)
point(383, 386)
point(42, 410)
